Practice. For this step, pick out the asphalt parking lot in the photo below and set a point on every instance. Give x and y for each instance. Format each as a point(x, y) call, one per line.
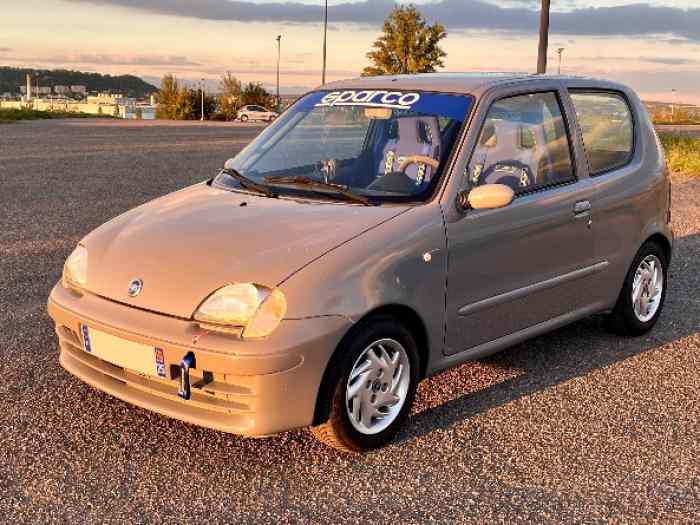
point(575, 426)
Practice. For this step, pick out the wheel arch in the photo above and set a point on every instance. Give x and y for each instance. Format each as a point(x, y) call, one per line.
point(663, 242)
point(404, 315)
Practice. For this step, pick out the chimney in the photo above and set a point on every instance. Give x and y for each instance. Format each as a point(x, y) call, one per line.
point(29, 86)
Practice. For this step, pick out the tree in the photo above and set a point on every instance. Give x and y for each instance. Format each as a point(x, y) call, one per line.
point(184, 104)
point(408, 45)
point(167, 97)
point(256, 94)
point(229, 99)
point(209, 104)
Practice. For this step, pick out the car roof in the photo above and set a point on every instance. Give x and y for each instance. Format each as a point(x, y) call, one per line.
point(466, 83)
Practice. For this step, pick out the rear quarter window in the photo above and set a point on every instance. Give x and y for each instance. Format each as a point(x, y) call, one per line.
point(608, 129)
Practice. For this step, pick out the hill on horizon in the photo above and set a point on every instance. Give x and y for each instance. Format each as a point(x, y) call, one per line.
point(11, 78)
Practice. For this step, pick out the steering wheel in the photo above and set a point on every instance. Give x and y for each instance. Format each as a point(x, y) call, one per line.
point(512, 173)
point(418, 159)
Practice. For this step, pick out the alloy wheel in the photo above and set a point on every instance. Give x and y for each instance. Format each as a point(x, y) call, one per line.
point(378, 386)
point(647, 288)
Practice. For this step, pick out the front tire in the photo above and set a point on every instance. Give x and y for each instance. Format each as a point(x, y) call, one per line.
point(372, 391)
point(643, 294)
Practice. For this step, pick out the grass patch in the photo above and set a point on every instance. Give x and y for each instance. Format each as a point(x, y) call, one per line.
point(682, 152)
point(8, 115)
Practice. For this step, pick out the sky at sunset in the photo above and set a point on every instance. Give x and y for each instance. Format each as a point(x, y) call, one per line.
point(652, 45)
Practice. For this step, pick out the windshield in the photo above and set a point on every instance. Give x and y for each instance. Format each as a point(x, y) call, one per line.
point(384, 145)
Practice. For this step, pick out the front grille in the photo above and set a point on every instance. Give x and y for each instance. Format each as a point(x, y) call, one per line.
point(220, 401)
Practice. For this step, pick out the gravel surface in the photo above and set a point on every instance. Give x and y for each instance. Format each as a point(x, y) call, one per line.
point(574, 426)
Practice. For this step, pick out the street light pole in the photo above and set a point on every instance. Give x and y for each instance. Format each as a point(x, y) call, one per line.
point(279, 47)
point(325, 36)
point(202, 100)
point(673, 105)
point(560, 51)
point(544, 39)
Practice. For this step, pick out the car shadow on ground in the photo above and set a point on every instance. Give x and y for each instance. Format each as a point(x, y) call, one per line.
point(554, 358)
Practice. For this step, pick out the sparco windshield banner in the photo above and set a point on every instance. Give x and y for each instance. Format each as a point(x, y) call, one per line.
point(453, 106)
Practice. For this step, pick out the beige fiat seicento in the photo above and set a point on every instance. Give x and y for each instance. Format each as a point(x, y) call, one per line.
point(379, 231)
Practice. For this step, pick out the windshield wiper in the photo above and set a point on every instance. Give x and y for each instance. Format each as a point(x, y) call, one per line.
point(301, 181)
point(249, 184)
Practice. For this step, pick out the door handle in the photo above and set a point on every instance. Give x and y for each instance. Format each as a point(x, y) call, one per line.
point(582, 208)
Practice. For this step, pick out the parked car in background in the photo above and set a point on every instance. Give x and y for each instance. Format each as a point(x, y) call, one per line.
point(382, 230)
point(253, 112)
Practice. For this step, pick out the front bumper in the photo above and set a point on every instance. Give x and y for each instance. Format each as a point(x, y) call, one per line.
point(252, 388)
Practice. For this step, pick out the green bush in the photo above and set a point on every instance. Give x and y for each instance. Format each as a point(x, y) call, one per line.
point(682, 152)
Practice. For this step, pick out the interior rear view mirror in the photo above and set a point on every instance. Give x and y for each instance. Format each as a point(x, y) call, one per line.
point(378, 113)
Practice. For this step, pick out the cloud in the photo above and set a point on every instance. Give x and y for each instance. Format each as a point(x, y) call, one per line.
point(663, 61)
point(129, 60)
point(632, 19)
point(269, 71)
point(673, 61)
point(5, 49)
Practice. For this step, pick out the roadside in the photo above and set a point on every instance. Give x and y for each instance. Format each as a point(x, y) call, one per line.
point(678, 129)
point(9, 115)
point(682, 152)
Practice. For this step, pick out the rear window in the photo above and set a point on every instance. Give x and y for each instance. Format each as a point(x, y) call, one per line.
point(608, 129)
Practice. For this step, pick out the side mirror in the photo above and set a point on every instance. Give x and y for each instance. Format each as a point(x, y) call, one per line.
point(485, 197)
point(228, 164)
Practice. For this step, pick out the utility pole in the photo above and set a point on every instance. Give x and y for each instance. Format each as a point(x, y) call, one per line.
point(560, 51)
point(279, 52)
point(544, 39)
point(202, 100)
point(673, 105)
point(325, 37)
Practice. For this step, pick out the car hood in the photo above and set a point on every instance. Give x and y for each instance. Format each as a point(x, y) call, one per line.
point(186, 245)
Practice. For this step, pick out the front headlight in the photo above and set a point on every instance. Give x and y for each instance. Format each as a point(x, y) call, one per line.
point(255, 309)
point(75, 269)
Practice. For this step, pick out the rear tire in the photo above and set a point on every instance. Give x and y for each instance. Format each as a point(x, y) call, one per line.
point(244, 118)
point(643, 293)
point(372, 390)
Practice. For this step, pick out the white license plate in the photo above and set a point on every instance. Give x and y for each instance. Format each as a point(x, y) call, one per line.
point(126, 354)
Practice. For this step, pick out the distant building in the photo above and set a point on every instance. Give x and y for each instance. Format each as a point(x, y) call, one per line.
point(107, 98)
point(36, 90)
point(107, 104)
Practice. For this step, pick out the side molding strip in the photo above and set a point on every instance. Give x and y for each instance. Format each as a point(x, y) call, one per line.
point(491, 347)
point(532, 288)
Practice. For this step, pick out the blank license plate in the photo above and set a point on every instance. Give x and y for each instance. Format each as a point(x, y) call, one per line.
point(126, 354)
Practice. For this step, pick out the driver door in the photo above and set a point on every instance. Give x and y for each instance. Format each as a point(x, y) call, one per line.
point(516, 267)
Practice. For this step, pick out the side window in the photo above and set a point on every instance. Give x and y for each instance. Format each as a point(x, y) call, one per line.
point(523, 144)
point(608, 131)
